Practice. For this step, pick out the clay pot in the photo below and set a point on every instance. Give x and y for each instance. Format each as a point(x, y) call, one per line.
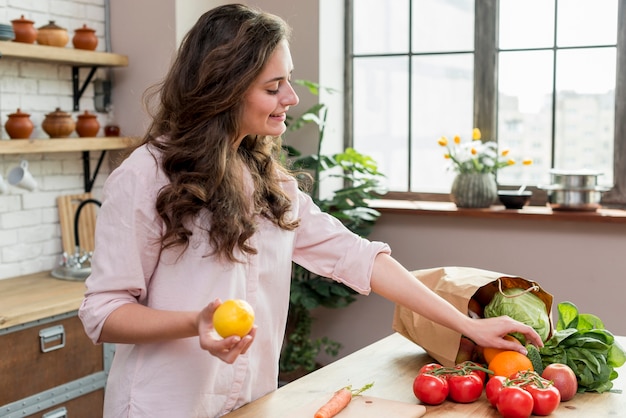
point(19, 125)
point(85, 38)
point(52, 35)
point(58, 124)
point(87, 125)
point(24, 30)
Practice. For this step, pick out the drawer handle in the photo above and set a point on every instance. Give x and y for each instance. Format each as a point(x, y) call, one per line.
point(57, 413)
point(49, 335)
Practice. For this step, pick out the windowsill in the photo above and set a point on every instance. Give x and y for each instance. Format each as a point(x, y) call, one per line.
point(542, 213)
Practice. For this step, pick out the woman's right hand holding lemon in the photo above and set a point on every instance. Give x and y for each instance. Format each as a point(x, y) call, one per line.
point(232, 320)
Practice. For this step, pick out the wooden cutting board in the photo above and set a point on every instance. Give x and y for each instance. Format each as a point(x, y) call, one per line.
point(67, 205)
point(364, 407)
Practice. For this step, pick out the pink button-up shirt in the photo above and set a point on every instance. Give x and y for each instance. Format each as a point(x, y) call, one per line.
point(177, 378)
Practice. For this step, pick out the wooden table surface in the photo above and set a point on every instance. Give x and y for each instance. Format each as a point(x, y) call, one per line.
point(392, 364)
point(36, 296)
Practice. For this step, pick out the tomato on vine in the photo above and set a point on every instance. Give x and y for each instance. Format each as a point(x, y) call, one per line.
point(545, 399)
point(493, 388)
point(430, 389)
point(514, 402)
point(465, 388)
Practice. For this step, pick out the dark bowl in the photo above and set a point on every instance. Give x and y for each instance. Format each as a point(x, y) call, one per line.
point(512, 199)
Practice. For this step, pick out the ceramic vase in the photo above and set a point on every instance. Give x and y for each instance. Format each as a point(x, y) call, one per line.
point(87, 125)
point(58, 124)
point(52, 35)
point(24, 30)
point(85, 38)
point(474, 190)
point(19, 125)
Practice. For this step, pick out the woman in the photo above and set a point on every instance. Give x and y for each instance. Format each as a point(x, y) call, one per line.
point(203, 212)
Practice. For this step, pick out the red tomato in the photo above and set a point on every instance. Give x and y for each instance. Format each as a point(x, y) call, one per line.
point(493, 389)
point(430, 389)
point(428, 367)
point(480, 373)
point(465, 388)
point(515, 402)
point(564, 379)
point(545, 400)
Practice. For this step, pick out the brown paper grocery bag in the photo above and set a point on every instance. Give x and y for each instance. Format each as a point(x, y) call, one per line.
point(457, 285)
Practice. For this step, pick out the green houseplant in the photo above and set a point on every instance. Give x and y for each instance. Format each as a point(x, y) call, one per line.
point(362, 181)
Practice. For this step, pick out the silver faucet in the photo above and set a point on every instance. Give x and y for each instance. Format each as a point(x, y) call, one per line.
point(77, 265)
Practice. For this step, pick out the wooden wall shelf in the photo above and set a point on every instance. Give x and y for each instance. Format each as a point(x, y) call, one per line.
point(34, 146)
point(69, 56)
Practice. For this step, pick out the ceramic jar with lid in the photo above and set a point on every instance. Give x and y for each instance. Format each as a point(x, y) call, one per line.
point(87, 125)
point(19, 125)
point(24, 30)
point(58, 124)
point(52, 35)
point(85, 38)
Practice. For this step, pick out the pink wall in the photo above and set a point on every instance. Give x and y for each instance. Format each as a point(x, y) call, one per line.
point(578, 262)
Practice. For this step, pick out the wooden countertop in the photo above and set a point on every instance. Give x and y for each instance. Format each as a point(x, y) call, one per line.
point(392, 364)
point(36, 296)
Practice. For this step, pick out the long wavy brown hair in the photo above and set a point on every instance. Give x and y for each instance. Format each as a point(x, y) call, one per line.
point(196, 124)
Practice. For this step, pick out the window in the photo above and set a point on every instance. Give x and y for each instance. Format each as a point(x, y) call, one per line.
point(538, 76)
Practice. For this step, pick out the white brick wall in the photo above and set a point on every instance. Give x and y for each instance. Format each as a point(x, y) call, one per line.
point(30, 236)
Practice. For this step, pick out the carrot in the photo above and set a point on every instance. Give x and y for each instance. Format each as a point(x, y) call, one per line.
point(339, 401)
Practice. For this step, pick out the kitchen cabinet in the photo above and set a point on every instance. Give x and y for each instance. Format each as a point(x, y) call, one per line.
point(49, 367)
point(77, 59)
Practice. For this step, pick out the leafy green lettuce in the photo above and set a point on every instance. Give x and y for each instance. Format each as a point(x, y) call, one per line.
point(522, 306)
point(582, 342)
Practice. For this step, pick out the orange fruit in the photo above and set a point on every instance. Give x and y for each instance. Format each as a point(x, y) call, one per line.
point(508, 363)
point(233, 317)
point(489, 352)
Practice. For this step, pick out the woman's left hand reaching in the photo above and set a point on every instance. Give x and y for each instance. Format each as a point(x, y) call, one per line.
point(226, 349)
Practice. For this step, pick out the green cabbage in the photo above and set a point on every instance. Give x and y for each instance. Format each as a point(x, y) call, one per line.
point(524, 307)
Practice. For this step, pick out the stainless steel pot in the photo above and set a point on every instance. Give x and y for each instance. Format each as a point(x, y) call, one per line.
point(574, 190)
point(575, 199)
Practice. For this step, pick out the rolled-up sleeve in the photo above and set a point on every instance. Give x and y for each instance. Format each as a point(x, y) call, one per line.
point(326, 247)
point(127, 244)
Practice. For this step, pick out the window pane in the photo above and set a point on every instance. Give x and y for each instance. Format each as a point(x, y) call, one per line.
point(585, 113)
point(381, 26)
point(442, 103)
point(526, 24)
point(587, 22)
point(381, 101)
point(525, 114)
point(440, 26)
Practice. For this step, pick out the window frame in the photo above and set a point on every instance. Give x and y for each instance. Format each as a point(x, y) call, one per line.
point(486, 93)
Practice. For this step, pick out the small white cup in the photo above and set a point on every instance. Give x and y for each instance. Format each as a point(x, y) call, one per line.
point(20, 176)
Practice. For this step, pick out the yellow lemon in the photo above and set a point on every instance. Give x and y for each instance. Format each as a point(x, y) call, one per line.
point(233, 317)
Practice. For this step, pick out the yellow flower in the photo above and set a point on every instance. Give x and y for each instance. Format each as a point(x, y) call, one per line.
point(505, 152)
point(510, 161)
point(476, 135)
point(446, 156)
point(457, 139)
point(443, 141)
point(474, 151)
point(527, 161)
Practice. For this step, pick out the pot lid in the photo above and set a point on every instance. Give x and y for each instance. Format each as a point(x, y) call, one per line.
point(52, 26)
point(58, 113)
point(85, 29)
point(579, 172)
point(87, 115)
point(19, 113)
point(22, 20)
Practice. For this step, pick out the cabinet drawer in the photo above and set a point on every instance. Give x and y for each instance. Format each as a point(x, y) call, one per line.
point(44, 356)
point(86, 406)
